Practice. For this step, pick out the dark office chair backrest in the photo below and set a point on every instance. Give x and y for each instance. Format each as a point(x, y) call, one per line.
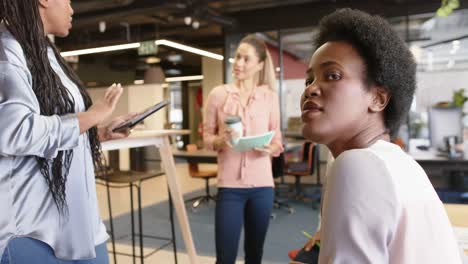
point(310, 156)
point(309, 162)
point(306, 151)
point(305, 168)
point(277, 165)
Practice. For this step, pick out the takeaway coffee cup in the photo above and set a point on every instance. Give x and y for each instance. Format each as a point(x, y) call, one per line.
point(235, 123)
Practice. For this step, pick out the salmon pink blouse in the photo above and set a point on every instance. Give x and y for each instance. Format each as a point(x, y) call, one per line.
point(260, 115)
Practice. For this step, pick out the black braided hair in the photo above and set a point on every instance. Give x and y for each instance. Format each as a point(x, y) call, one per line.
point(22, 19)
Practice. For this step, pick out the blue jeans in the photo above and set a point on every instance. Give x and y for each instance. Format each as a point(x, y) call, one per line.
point(25, 250)
point(235, 207)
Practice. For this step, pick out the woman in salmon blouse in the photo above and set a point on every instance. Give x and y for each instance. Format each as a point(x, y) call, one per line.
point(245, 182)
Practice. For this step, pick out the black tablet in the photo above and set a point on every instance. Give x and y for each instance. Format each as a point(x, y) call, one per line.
point(308, 257)
point(144, 114)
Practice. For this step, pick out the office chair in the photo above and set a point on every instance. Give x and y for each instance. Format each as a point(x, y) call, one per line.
point(310, 163)
point(278, 165)
point(196, 173)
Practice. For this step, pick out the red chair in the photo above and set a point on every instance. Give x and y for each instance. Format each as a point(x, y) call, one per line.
point(195, 172)
point(293, 253)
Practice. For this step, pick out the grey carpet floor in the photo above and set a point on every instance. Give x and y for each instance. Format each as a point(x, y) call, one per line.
point(284, 234)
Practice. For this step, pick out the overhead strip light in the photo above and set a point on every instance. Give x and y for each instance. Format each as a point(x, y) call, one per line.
point(136, 45)
point(176, 79)
point(175, 45)
point(100, 49)
point(184, 78)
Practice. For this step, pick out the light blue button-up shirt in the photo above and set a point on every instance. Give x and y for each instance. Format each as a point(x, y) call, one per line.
point(26, 205)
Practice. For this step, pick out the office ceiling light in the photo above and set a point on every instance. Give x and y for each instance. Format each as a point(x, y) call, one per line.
point(140, 82)
point(195, 24)
point(136, 45)
point(102, 26)
point(152, 60)
point(188, 20)
point(100, 49)
point(201, 52)
point(184, 78)
point(175, 79)
point(172, 71)
point(175, 58)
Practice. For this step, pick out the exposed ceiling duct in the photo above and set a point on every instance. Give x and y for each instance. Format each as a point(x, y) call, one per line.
point(84, 6)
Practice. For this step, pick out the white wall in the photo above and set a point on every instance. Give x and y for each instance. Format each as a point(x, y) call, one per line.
point(212, 71)
point(291, 96)
point(122, 105)
point(142, 96)
point(292, 91)
point(136, 98)
point(433, 87)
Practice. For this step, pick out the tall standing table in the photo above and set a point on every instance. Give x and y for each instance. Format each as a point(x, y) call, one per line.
point(160, 139)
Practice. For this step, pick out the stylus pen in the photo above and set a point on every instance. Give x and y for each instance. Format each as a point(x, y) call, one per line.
point(310, 237)
point(307, 234)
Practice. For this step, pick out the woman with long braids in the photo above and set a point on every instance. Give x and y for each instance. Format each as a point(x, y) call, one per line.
point(49, 142)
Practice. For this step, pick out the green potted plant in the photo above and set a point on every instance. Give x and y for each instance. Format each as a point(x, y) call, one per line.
point(459, 98)
point(447, 7)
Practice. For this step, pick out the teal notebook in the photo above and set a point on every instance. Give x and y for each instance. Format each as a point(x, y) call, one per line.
point(251, 142)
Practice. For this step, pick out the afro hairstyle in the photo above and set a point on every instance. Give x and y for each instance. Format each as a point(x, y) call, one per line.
point(389, 62)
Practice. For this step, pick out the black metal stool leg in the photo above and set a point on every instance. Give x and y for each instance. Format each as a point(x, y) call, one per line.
point(124, 180)
point(171, 216)
point(140, 224)
point(133, 223)
point(111, 222)
point(298, 187)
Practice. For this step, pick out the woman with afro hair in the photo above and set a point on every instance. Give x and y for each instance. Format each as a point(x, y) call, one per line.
point(378, 206)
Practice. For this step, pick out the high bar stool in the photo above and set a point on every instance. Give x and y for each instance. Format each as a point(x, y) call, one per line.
point(122, 179)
